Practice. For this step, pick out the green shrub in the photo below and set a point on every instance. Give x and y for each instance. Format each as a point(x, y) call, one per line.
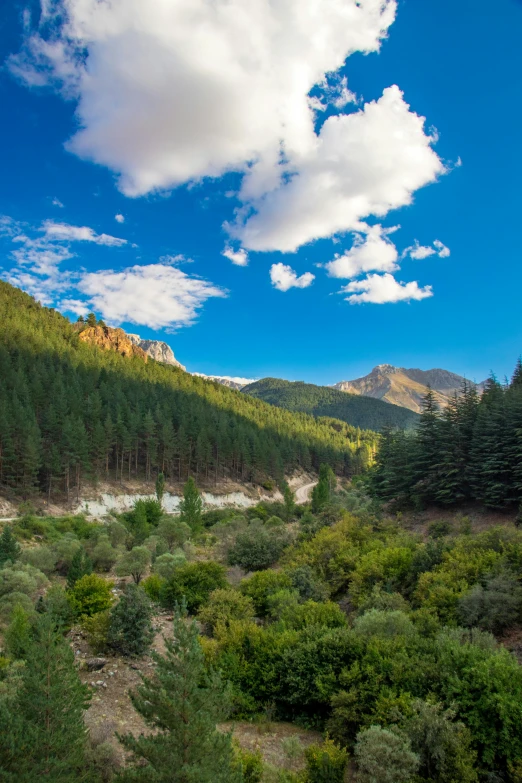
point(166, 565)
point(65, 550)
point(9, 602)
point(56, 602)
point(251, 765)
point(134, 563)
point(153, 586)
point(193, 582)
point(18, 634)
point(97, 631)
point(494, 606)
point(309, 587)
point(225, 605)
point(104, 555)
point(41, 557)
point(257, 548)
point(9, 547)
point(91, 594)
point(384, 757)
point(439, 529)
point(262, 585)
point(384, 624)
point(325, 763)
point(21, 578)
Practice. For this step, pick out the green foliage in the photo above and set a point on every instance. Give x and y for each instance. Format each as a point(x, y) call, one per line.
point(56, 603)
point(153, 585)
point(81, 565)
point(104, 555)
point(258, 547)
point(130, 629)
point(444, 746)
point(96, 629)
point(191, 507)
point(42, 558)
point(44, 734)
point(9, 547)
point(262, 585)
point(250, 764)
point(494, 606)
point(193, 584)
point(134, 563)
point(18, 635)
point(160, 487)
point(225, 605)
point(325, 763)
point(173, 531)
point(91, 594)
point(359, 411)
point(21, 578)
point(183, 702)
point(166, 565)
point(384, 756)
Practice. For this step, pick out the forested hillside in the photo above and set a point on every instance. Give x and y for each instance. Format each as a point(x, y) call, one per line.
point(69, 411)
point(470, 451)
point(324, 401)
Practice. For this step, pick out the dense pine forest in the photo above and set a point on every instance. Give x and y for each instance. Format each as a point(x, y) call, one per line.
point(71, 412)
point(355, 409)
point(470, 451)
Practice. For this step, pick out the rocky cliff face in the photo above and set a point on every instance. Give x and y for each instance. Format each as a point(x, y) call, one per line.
point(157, 350)
point(109, 339)
point(405, 387)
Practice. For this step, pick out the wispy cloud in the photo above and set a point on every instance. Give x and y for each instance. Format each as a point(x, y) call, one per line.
point(238, 257)
point(384, 289)
point(283, 278)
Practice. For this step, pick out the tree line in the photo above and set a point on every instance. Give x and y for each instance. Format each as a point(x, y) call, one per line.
point(71, 412)
point(470, 451)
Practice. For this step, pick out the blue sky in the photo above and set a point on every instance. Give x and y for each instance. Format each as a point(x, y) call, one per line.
point(203, 131)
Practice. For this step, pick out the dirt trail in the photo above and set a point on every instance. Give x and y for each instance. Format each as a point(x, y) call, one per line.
point(302, 494)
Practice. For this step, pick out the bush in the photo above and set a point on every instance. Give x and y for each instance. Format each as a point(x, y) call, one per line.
point(262, 585)
point(130, 629)
point(9, 547)
point(224, 606)
point(97, 630)
point(309, 587)
point(167, 564)
point(493, 607)
point(153, 586)
point(257, 548)
point(57, 603)
point(251, 765)
point(173, 531)
point(439, 529)
point(21, 578)
point(91, 594)
point(193, 583)
point(65, 550)
point(325, 763)
point(9, 602)
point(18, 634)
point(384, 757)
point(41, 558)
point(104, 555)
point(385, 624)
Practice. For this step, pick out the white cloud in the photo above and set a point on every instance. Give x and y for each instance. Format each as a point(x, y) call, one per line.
point(157, 295)
point(384, 289)
point(372, 252)
point(365, 163)
point(283, 278)
point(172, 92)
point(238, 257)
point(119, 218)
point(57, 203)
point(442, 250)
point(64, 232)
point(420, 252)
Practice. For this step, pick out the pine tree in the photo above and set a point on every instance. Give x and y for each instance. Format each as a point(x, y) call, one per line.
point(130, 630)
point(45, 736)
point(9, 547)
point(183, 702)
point(289, 500)
point(160, 487)
point(80, 566)
point(191, 507)
point(323, 489)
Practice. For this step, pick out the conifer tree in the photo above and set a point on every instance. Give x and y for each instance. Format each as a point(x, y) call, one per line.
point(191, 507)
point(130, 630)
point(80, 566)
point(160, 487)
point(44, 738)
point(182, 702)
point(289, 500)
point(322, 490)
point(9, 547)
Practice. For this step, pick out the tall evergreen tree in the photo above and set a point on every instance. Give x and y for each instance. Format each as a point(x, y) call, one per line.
point(191, 507)
point(182, 702)
point(9, 547)
point(80, 566)
point(45, 736)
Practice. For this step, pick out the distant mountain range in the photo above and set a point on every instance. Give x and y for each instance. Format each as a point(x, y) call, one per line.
point(398, 386)
point(404, 387)
point(357, 410)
